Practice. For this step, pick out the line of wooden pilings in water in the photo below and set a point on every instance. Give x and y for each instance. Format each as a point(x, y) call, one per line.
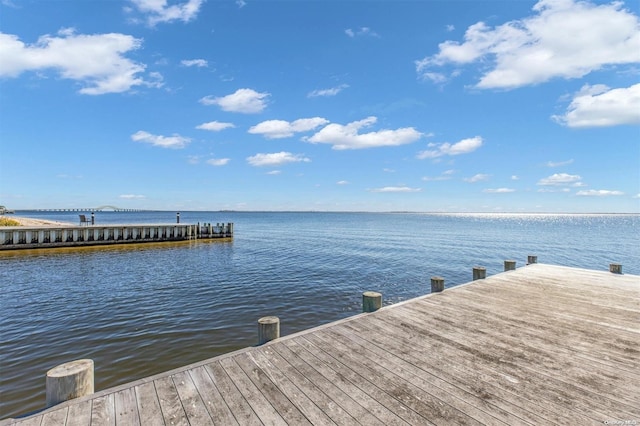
point(76, 378)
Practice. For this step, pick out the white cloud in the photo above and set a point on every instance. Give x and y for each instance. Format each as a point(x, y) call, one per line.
point(450, 28)
point(598, 193)
point(200, 63)
point(514, 177)
point(559, 163)
point(174, 141)
point(360, 32)
point(347, 136)
point(561, 39)
point(396, 189)
point(241, 3)
point(276, 129)
point(560, 179)
point(276, 159)
point(342, 182)
point(218, 161)
point(327, 92)
point(215, 126)
point(446, 175)
point(600, 106)
point(498, 190)
point(157, 11)
point(246, 101)
point(97, 61)
point(131, 196)
point(465, 146)
point(274, 172)
point(476, 178)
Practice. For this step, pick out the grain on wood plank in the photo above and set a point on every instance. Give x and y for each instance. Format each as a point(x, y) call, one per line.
point(31, 421)
point(170, 404)
point(424, 395)
point(327, 381)
point(576, 379)
point(127, 408)
point(436, 406)
point(279, 401)
point(103, 411)
point(267, 414)
point(381, 405)
point(466, 367)
point(80, 413)
point(239, 406)
point(487, 398)
point(54, 418)
point(563, 346)
point(192, 402)
point(148, 405)
point(302, 376)
point(218, 409)
point(550, 388)
point(573, 336)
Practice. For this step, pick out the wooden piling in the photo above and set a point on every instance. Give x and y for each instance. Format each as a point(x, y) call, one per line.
point(509, 265)
point(268, 329)
point(479, 273)
point(615, 268)
point(371, 301)
point(437, 284)
point(532, 259)
point(68, 381)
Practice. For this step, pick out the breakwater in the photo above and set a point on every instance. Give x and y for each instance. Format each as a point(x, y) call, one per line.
point(20, 237)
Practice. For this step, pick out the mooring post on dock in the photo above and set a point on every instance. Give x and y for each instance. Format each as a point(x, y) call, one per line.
point(178, 217)
point(371, 301)
point(93, 218)
point(68, 381)
point(615, 268)
point(437, 284)
point(509, 265)
point(479, 273)
point(268, 329)
point(532, 259)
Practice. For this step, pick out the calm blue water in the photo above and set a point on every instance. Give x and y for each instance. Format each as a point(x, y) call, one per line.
point(143, 310)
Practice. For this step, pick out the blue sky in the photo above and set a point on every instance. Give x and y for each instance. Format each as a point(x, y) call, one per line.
point(462, 106)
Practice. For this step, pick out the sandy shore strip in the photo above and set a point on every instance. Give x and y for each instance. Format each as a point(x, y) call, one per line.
point(27, 221)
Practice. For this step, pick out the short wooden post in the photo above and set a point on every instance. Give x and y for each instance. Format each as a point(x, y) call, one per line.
point(268, 329)
point(178, 217)
point(437, 284)
point(479, 273)
point(509, 265)
point(371, 301)
point(532, 259)
point(615, 268)
point(68, 381)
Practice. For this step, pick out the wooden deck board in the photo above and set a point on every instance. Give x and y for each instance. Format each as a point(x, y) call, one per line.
point(540, 345)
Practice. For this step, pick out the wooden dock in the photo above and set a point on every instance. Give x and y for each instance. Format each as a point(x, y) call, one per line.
point(540, 345)
point(36, 237)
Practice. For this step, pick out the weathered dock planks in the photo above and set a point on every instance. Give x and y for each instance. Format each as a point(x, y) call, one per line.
point(539, 345)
